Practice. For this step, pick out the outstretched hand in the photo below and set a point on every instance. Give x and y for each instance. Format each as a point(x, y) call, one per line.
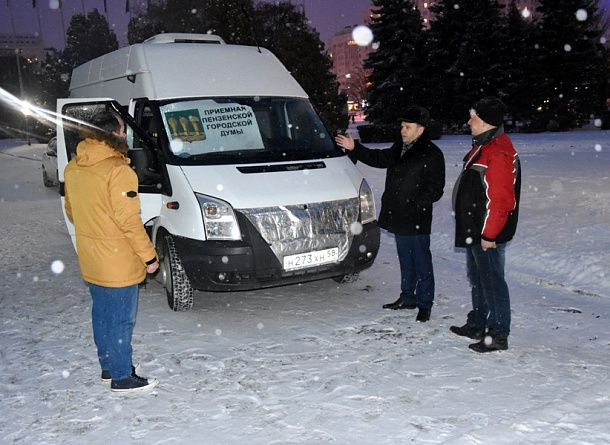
point(345, 141)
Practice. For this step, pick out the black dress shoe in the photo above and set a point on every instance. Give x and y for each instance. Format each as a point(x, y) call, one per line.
point(492, 342)
point(399, 304)
point(468, 331)
point(423, 315)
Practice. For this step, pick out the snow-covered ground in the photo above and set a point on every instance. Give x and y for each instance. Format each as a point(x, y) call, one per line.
point(320, 362)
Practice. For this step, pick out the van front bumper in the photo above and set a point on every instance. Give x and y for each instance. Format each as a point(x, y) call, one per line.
point(251, 264)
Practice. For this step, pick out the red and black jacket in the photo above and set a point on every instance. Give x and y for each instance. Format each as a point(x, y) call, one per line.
point(486, 194)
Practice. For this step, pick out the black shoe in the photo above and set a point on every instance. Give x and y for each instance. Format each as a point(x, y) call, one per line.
point(424, 314)
point(468, 331)
point(106, 378)
point(399, 304)
point(492, 342)
point(133, 383)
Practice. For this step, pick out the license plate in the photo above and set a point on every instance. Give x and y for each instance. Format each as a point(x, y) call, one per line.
point(310, 259)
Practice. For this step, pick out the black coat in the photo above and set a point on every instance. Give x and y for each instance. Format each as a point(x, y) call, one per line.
point(413, 182)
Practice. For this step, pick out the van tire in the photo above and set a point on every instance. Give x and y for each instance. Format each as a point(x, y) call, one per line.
point(347, 278)
point(177, 285)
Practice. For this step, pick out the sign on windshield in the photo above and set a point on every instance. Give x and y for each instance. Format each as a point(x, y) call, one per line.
point(206, 126)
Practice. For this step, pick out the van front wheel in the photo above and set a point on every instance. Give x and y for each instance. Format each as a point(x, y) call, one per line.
point(173, 278)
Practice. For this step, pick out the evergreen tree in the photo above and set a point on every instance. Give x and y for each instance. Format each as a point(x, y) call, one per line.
point(518, 51)
point(396, 77)
point(229, 19)
point(284, 30)
point(465, 56)
point(88, 37)
point(54, 79)
point(142, 27)
point(179, 16)
point(572, 62)
point(238, 29)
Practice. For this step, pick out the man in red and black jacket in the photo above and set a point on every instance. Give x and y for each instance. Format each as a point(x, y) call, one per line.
point(486, 206)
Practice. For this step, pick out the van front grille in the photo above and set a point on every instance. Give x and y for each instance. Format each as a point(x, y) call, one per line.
point(295, 229)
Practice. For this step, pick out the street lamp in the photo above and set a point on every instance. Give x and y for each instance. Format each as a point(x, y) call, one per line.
point(19, 72)
point(21, 96)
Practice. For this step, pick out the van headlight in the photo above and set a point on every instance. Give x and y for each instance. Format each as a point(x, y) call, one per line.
point(219, 219)
point(367, 203)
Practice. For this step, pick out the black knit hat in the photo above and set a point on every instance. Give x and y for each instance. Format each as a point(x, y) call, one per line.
point(416, 115)
point(491, 110)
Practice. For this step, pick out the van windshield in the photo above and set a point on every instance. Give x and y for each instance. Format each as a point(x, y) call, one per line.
point(239, 130)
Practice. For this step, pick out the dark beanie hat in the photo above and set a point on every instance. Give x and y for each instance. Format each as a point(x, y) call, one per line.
point(491, 110)
point(416, 115)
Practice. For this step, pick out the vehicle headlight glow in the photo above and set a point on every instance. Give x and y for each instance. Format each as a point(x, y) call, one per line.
point(218, 219)
point(367, 203)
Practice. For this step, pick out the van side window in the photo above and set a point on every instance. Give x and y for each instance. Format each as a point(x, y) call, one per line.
point(76, 118)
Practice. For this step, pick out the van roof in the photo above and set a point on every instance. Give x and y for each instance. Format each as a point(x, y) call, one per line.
point(172, 66)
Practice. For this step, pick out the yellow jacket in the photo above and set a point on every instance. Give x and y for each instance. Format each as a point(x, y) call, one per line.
point(101, 199)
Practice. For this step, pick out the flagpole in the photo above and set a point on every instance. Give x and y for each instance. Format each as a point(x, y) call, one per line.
point(63, 24)
point(24, 129)
point(10, 7)
point(16, 49)
point(39, 23)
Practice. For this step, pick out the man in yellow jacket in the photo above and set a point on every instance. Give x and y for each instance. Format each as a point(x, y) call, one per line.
point(114, 251)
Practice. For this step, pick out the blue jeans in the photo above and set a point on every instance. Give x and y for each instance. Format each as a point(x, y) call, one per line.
point(416, 272)
point(490, 297)
point(114, 316)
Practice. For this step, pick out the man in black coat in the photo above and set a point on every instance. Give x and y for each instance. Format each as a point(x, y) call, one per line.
point(415, 179)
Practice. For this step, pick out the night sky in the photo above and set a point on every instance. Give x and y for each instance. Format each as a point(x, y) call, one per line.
point(327, 16)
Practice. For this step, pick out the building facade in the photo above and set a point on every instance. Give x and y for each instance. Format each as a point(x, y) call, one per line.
point(29, 46)
point(348, 58)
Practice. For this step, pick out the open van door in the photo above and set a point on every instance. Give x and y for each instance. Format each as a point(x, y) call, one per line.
point(74, 116)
